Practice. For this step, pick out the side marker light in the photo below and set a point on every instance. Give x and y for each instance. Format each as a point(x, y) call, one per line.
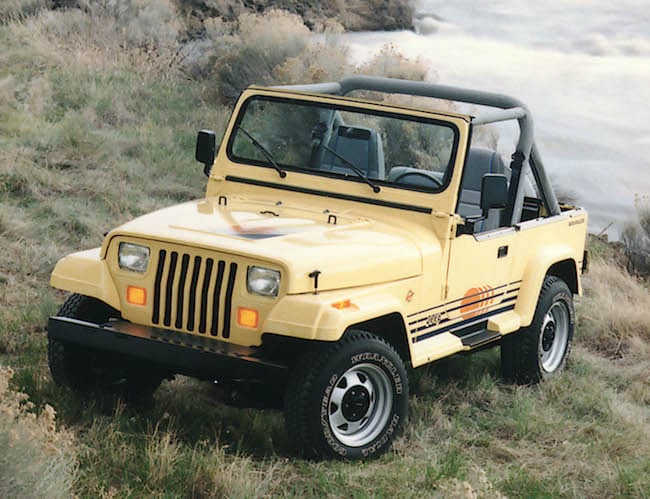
point(343, 304)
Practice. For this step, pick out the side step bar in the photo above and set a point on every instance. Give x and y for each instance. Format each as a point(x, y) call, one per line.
point(480, 338)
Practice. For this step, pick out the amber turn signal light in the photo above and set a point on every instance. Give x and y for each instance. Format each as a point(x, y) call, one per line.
point(247, 317)
point(340, 305)
point(136, 295)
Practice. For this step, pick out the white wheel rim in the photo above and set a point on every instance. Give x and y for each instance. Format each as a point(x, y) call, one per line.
point(554, 337)
point(360, 404)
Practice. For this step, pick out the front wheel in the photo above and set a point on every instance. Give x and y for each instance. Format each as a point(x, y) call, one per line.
point(348, 400)
point(541, 350)
point(85, 370)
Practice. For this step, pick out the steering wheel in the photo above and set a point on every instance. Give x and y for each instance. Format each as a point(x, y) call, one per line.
point(434, 180)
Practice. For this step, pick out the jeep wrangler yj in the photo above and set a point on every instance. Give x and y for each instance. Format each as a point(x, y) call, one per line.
point(340, 242)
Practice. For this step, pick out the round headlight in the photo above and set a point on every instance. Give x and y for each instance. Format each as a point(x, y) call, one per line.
point(133, 257)
point(261, 281)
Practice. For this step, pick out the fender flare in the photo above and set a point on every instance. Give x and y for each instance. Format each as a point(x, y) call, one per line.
point(313, 317)
point(533, 278)
point(87, 274)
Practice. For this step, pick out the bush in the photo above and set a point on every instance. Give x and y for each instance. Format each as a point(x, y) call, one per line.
point(636, 238)
point(36, 459)
point(11, 10)
point(274, 48)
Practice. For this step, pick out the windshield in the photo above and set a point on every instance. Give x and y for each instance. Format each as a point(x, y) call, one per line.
point(363, 145)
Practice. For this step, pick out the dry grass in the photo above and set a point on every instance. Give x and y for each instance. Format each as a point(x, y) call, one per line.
point(36, 460)
point(616, 312)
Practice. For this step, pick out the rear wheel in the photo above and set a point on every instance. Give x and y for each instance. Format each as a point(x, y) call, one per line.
point(541, 350)
point(347, 400)
point(83, 369)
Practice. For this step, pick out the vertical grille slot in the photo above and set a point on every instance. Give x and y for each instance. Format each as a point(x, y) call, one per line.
point(192, 297)
point(193, 294)
point(173, 258)
point(228, 305)
point(181, 291)
point(215, 298)
point(155, 317)
point(209, 263)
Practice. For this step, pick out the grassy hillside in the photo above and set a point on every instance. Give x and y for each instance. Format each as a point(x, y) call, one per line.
point(98, 113)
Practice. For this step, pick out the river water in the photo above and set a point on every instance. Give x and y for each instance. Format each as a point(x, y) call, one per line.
point(582, 67)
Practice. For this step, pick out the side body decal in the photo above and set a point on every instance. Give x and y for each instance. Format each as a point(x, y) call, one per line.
point(465, 315)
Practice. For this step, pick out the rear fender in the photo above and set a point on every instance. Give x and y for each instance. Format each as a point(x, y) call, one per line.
point(533, 278)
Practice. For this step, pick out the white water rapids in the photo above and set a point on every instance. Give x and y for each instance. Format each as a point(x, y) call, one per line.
point(581, 66)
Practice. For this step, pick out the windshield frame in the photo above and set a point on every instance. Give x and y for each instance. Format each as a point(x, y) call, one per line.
point(393, 112)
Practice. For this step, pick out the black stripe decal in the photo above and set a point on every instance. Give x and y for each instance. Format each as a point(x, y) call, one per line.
point(493, 297)
point(335, 195)
point(228, 304)
point(460, 325)
point(460, 299)
point(155, 317)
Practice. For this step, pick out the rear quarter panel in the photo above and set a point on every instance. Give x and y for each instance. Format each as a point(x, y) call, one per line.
point(538, 245)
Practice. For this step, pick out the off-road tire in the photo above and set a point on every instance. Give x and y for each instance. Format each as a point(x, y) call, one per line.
point(84, 370)
point(366, 376)
point(540, 350)
point(71, 365)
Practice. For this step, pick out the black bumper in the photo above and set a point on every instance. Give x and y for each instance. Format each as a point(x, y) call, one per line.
point(177, 353)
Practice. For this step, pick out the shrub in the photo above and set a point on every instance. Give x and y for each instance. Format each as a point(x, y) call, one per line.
point(36, 459)
point(260, 44)
point(390, 62)
point(636, 238)
point(11, 10)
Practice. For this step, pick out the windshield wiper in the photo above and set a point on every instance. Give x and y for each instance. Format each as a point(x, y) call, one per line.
point(266, 153)
point(354, 168)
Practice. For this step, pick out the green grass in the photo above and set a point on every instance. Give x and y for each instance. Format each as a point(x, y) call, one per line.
point(85, 146)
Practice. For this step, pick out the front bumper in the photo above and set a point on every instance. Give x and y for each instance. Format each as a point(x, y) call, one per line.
point(176, 353)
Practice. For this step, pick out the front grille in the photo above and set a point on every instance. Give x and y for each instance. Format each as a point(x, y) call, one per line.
point(193, 293)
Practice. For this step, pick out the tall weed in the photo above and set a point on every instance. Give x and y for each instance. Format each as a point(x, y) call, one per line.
point(615, 312)
point(36, 458)
point(15, 10)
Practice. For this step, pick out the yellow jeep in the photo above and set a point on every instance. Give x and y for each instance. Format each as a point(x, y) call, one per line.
point(340, 242)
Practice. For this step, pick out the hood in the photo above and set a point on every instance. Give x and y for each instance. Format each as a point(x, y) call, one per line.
point(348, 251)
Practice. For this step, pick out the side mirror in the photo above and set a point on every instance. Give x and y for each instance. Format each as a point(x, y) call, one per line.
point(494, 192)
point(206, 149)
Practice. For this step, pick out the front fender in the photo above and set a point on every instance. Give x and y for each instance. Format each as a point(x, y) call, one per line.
point(87, 274)
point(533, 278)
point(313, 316)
